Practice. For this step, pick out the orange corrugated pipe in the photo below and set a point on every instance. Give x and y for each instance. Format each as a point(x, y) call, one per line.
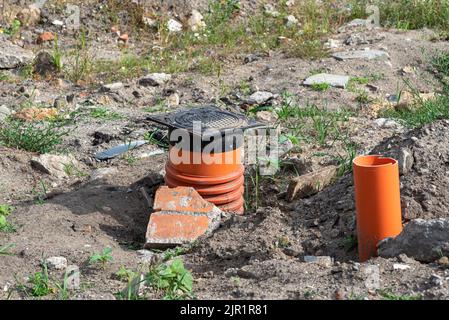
point(217, 177)
point(378, 203)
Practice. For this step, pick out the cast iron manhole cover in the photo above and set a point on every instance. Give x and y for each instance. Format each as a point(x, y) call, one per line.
point(210, 117)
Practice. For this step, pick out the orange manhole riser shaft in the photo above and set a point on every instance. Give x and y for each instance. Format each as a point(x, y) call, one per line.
point(218, 177)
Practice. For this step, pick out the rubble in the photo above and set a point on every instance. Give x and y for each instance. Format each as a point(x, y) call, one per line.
point(333, 80)
point(311, 183)
point(423, 240)
point(360, 54)
point(54, 165)
point(154, 79)
point(13, 56)
point(180, 216)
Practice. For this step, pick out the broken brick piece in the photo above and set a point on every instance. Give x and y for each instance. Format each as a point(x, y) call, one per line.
point(180, 216)
point(36, 114)
point(167, 229)
point(183, 199)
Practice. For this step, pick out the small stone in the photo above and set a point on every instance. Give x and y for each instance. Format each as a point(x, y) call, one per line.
point(260, 97)
point(195, 21)
point(147, 256)
point(45, 37)
point(270, 10)
point(103, 173)
point(290, 3)
point(173, 100)
point(291, 21)
point(54, 165)
point(29, 16)
point(405, 160)
point(58, 263)
point(437, 280)
point(36, 114)
point(360, 54)
point(324, 261)
point(444, 261)
point(13, 56)
point(149, 22)
point(266, 116)
point(386, 123)
point(116, 86)
point(332, 44)
point(154, 79)
point(400, 266)
point(123, 37)
point(408, 70)
point(333, 80)
point(73, 277)
point(57, 23)
point(4, 112)
point(44, 64)
point(174, 26)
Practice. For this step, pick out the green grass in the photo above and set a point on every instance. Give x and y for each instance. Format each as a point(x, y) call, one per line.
point(105, 114)
point(389, 295)
point(407, 14)
point(173, 279)
point(424, 112)
point(5, 226)
point(40, 283)
point(320, 86)
point(223, 39)
point(41, 137)
point(124, 274)
point(4, 250)
point(102, 258)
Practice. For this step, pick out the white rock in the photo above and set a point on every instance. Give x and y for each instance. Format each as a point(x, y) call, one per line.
point(58, 23)
point(332, 44)
point(265, 116)
point(400, 266)
point(174, 26)
point(73, 277)
point(149, 22)
point(333, 80)
point(4, 112)
point(146, 256)
point(360, 54)
point(270, 10)
point(112, 87)
point(290, 3)
point(102, 173)
point(324, 261)
point(12, 56)
point(154, 79)
point(196, 22)
point(259, 97)
point(58, 263)
point(54, 165)
point(386, 123)
point(291, 21)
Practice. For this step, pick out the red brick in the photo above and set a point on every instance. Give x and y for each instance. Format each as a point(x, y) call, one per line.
point(180, 216)
point(45, 36)
point(183, 199)
point(167, 228)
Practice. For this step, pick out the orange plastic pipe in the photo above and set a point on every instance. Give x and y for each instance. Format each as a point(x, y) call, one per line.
point(378, 202)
